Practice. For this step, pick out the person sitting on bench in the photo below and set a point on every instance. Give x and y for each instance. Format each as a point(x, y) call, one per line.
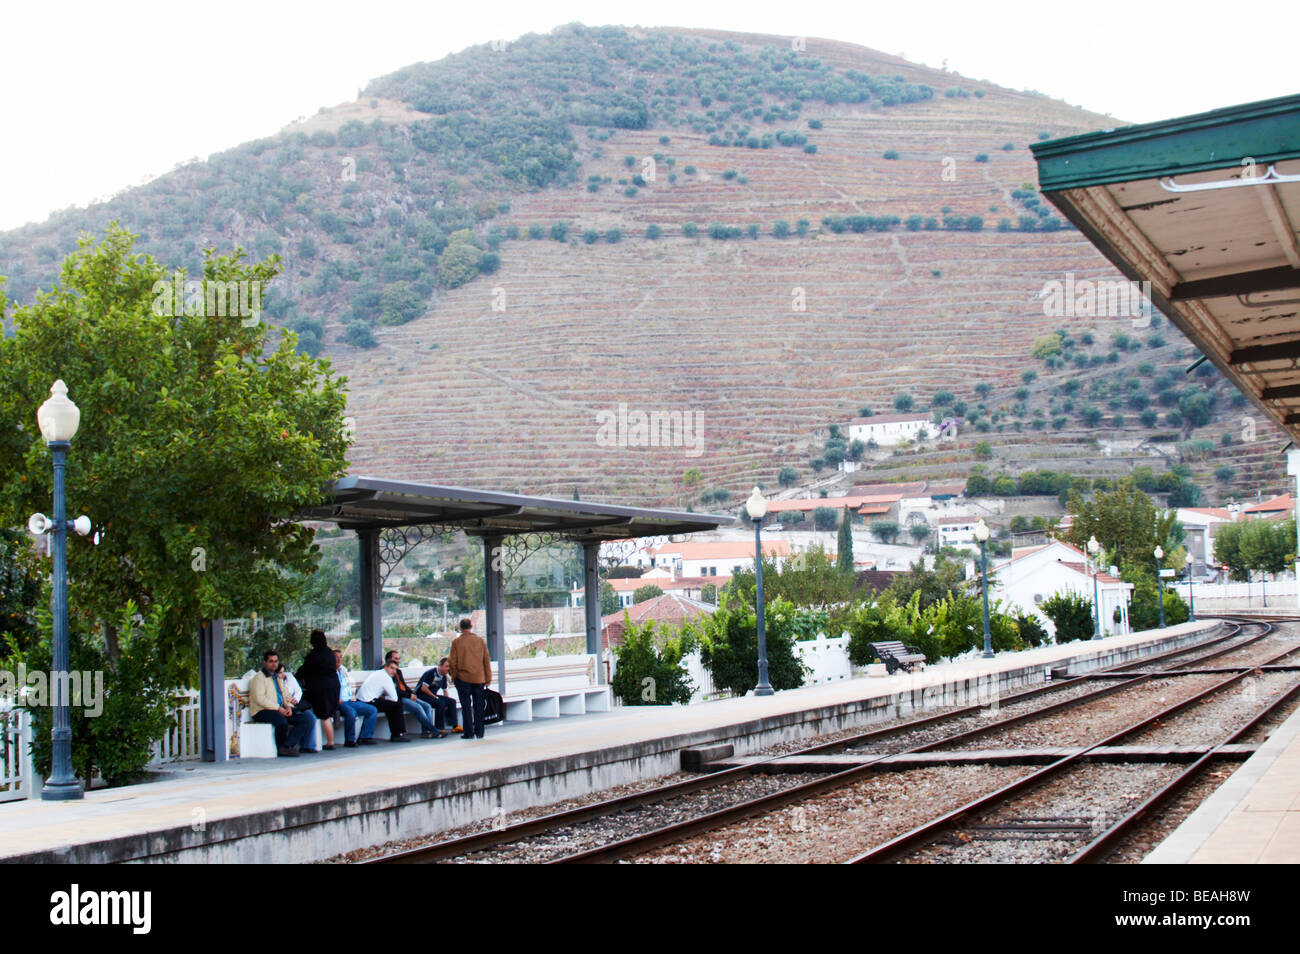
point(410, 702)
point(434, 688)
point(267, 704)
point(293, 696)
point(380, 691)
point(351, 708)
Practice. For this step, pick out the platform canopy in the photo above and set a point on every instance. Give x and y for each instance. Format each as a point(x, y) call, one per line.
point(370, 503)
point(1206, 208)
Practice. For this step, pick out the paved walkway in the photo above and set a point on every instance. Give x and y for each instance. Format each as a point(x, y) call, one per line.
point(195, 794)
point(1251, 819)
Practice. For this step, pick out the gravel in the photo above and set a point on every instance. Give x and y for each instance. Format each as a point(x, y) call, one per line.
point(834, 826)
point(1092, 797)
point(1213, 719)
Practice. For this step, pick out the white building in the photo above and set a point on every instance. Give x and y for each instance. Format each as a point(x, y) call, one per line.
point(888, 430)
point(713, 558)
point(958, 531)
point(1200, 524)
point(1035, 574)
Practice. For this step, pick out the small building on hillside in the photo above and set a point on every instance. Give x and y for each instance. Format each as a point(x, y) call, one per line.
point(719, 558)
point(889, 430)
point(1035, 574)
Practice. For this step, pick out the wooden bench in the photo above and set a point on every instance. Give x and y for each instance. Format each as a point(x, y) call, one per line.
point(896, 656)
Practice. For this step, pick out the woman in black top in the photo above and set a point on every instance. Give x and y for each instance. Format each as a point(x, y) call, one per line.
point(319, 679)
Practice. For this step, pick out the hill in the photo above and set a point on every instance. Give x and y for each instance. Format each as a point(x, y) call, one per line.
point(512, 247)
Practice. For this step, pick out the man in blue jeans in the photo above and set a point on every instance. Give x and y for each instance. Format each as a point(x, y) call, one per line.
point(410, 702)
point(351, 707)
point(471, 667)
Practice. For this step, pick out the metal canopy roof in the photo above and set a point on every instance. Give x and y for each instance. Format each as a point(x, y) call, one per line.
point(361, 503)
point(1206, 208)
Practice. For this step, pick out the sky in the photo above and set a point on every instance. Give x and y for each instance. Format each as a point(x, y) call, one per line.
point(100, 97)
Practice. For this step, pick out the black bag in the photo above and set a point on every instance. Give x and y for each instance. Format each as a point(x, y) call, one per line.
point(494, 708)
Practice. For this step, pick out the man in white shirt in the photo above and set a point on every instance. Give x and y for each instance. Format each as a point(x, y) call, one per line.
point(380, 691)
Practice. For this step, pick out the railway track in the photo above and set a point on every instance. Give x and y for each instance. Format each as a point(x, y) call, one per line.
point(634, 824)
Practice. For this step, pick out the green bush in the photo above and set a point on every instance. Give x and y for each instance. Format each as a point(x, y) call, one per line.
point(1071, 614)
point(647, 592)
point(117, 742)
point(729, 647)
point(649, 670)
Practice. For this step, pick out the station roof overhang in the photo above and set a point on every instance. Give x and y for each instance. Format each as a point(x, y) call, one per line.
point(1206, 209)
point(370, 503)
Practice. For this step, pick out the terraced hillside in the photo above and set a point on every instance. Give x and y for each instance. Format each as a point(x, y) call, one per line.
point(734, 246)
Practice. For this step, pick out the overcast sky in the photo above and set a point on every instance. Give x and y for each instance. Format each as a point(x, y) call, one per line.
point(102, 96)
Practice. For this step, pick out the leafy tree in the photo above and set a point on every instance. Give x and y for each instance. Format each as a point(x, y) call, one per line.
point(919, 532)
point(787, 477)
point(608, 599)
point(647, 592)
point(458, 264)
point(400, 304)
point(199, 441)
point(649, 670)
point(886, 531)
point(824, 518)
point(947, 577)
point(1126, 523)
point(977, 485)
point(903, 403)
point(1071, 614)
point(844, 543)
point(729, 645)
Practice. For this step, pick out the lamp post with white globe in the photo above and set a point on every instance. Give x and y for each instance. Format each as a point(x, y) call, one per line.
point(756, 508)
point(1191, 599)
point(58, 418)
point(1160, 585)
point(1093, 549)
point(982, 535)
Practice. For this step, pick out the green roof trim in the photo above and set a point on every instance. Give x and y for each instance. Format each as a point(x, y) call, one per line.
point(1267, 131)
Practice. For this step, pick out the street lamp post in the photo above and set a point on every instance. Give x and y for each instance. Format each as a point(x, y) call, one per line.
point(58, 418)
point(1160, 586)
point(982, 535)
point(1191, 598)
point(1093, 549)
point(756, 507)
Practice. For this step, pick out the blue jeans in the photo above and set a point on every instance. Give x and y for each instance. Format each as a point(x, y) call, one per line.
point(422, 711)
point(473, 705)
point(444, 713)
point(351, 711)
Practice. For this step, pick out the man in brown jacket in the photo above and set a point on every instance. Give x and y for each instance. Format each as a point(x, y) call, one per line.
point(471, 667)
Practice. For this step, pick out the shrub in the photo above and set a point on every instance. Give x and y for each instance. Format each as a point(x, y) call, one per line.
point(729, 646)
point(647, 592)
point(652, 232)
point(825, 518)
point(891, 154)
point(614, 236)
point(690, 230)
point(1071, 614)
point(590, 236)
point(982, 157)
point(649, 670)
point(781, 229)
point(358, 335)
point(560, 231)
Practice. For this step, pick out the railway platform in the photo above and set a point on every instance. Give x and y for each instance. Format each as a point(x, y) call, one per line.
point(323, 805)
point(1252, 818)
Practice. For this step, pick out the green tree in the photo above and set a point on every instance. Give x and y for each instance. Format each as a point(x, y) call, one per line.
point(947, 577)
point(903, 402)
point(886, 531)
point(647, 592)
point(1126, 523)
point(1071, 614)
point(608, 599)
point(200, 439)
point(787, 477)
point(729, 645)
point(844, 543)
point(649, 669)
point(399, 304)
point(824, 518)
point(458, 264)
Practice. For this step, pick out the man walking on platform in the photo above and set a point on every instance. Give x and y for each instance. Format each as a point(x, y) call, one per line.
point(471, 667)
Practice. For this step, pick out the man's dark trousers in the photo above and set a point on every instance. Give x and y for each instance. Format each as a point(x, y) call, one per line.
point(289, 732)
point(473, 706)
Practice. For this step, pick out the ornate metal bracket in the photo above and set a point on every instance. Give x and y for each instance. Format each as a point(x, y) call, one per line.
point(396, 542)
point(516, 548)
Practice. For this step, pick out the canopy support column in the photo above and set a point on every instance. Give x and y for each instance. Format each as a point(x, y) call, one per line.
point(213, 744)
point(372, 617)
point(494, 592)
point(591, 603)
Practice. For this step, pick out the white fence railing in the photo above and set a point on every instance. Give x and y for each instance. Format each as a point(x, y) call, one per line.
point(16, 775)
point(182, 741)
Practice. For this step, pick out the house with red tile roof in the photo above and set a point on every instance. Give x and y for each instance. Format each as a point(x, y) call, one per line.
point(1058, 567)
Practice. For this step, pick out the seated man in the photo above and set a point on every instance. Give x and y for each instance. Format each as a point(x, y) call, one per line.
point(267, 704)
point(434, 688)
point(351, 708)
point(417, 707)
point(380, 691)
point(300, 706)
